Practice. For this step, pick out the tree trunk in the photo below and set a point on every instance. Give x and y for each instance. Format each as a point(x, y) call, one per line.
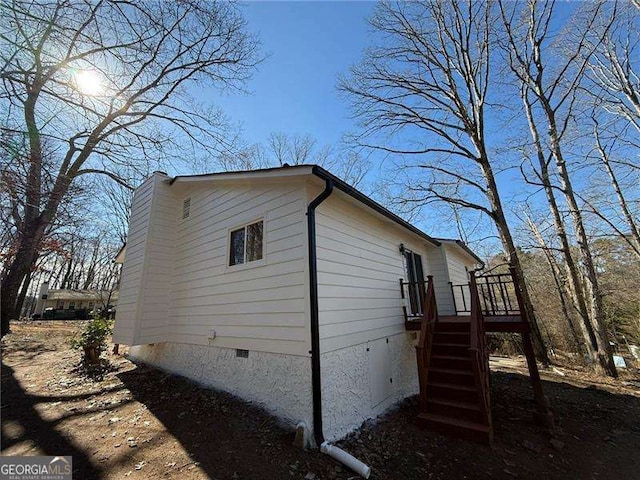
point(514, 261)
point(66, 279)
point(622, 201)
point(555, 273)
point(16, 274)
point(23, 292)
point(592, 288)
point(572, 272)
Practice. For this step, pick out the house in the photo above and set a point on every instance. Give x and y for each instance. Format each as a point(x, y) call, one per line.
point(73, 299)
point(283, 287)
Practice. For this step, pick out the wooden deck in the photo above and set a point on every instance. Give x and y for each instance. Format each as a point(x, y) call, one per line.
point(492, 323)
point(453, 366)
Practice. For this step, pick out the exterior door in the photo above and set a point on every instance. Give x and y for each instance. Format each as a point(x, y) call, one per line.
point(415, 277)
point(380, 371)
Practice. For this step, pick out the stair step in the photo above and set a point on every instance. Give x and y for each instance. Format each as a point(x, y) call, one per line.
point(450, 375)
point(453, 403)
point(454, 349)
point(455, 409)
point(452, 391)
point(448, 327)
point(450, 361)
point(453, 371)
point(462, 428)
point(452, 386)
point(462, 338)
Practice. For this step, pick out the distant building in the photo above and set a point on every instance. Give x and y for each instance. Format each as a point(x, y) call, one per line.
point(73, 299)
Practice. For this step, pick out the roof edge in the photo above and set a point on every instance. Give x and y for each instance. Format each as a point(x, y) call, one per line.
point(322, 174)
point(292, 169)
point(362, 198)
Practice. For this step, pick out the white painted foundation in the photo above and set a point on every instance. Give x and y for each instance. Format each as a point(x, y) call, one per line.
point(346, 384)
point(281, 384)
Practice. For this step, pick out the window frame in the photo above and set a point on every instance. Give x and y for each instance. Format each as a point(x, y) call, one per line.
point(246, 264)
point(409, 264)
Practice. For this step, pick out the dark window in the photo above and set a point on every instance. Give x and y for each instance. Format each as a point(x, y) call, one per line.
point(415, 277)
point(246, 243)
point(237, 247)
point(254, 241)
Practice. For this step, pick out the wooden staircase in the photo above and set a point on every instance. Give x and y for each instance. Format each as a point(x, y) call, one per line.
point(453, 362)
point(454, 404)
point(453, 369)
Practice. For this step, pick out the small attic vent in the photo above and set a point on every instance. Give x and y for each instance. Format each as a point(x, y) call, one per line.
point(186, 207)
point(242, 353)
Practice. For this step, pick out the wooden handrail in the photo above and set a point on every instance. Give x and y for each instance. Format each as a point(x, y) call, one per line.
point(478, 350)
point(498, 294)
point(427, 328)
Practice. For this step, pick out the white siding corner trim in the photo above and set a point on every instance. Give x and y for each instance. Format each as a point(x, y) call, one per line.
point(143, 305)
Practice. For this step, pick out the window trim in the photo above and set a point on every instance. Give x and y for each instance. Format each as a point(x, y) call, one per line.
point(254, 263)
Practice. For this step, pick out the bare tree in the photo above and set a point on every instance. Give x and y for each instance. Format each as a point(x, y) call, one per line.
point(613, 91)
point(423, 94)
point(107, 83)
point(550, 80)
point(117, 203)
point(630, 219)
point(613, 67)
point(295, 149)
point(558, 281)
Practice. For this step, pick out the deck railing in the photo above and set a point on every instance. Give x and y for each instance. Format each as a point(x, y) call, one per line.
point(413, 295)
point(425, 342)
point(478, 350)
point(497, 295)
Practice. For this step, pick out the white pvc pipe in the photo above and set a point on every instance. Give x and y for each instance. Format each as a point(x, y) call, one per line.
point(346, 459)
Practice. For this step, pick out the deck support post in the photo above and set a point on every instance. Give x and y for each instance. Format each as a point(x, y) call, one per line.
point(543, 415)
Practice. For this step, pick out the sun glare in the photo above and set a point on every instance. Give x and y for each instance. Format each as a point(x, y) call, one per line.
point(88, 82)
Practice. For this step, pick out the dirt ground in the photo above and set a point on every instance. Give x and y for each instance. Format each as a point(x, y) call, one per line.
point(136, 422)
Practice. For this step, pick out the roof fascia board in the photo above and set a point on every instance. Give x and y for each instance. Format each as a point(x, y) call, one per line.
point(304, 170)
point(362, 198)
point(247, 175)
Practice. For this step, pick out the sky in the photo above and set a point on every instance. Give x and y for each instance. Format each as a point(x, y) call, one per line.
point(309, 44)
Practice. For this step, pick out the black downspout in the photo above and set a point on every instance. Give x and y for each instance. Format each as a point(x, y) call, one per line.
point(316, 383)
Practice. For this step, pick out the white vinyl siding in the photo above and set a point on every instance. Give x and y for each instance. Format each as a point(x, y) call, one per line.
point(154, 311)
point(458, 263)
point(439, 269)
point(359, 267)
point(253, 307)
point(132, 293)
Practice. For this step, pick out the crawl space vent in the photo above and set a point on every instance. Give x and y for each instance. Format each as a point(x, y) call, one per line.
point(242, 353)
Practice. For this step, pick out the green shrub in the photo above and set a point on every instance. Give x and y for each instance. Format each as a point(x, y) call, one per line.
point(93, 339)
